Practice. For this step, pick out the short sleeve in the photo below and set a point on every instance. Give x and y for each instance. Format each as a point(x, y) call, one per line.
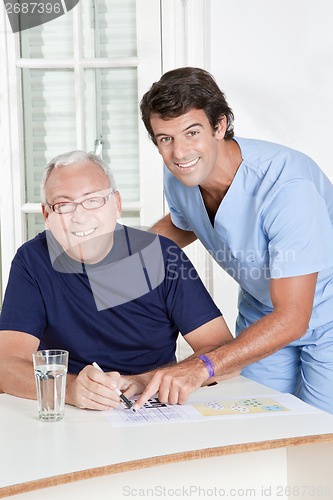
point(188, 302)
point(23, 307)
point(299, 230)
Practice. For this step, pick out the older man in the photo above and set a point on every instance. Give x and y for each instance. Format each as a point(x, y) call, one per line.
point(102, 291)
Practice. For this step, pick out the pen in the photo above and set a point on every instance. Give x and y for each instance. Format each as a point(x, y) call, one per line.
point(124, 399)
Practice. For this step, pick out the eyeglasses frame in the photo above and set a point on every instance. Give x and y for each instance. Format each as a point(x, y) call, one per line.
point(106, 198)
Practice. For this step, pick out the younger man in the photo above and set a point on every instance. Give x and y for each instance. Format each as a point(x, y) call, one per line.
point(101, 290)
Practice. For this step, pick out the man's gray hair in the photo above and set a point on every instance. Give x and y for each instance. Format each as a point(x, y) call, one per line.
point(75, 157)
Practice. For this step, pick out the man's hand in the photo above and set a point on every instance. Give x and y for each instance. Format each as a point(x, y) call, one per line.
point(174, 384)
point(93, 389)
point(132, 385)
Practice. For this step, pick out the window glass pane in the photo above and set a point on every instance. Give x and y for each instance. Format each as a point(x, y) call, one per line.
point(111, 107)
point(50, 40)
point(109, 28)
point(34, 225)
point(49, 121)
point(131, 219)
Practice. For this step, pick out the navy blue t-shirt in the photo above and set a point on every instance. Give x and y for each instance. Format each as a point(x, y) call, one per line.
point(71, 306)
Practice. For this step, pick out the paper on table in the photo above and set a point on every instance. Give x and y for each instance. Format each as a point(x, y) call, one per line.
point(247, 407)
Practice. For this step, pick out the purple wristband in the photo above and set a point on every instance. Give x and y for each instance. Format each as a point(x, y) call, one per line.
point(208, 364)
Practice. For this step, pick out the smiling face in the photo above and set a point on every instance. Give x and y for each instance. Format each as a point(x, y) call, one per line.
point(189, 146)
point(85, 235)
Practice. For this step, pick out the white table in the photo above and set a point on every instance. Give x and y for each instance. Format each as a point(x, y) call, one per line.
point(280, 456)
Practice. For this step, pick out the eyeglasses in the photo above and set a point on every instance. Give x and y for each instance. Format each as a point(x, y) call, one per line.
point(66, 207)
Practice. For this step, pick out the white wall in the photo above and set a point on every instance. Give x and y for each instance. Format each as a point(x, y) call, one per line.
point(274, 61)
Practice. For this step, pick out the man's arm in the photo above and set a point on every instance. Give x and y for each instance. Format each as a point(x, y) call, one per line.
point(205, 338)
point(292, 300)
point(89, 389)
point(165, 227)
point(16, 369)
point(208, 337)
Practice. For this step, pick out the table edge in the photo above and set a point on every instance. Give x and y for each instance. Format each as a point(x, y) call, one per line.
point(144, 463)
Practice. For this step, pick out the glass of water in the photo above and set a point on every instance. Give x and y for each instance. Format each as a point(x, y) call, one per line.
point(50, 374)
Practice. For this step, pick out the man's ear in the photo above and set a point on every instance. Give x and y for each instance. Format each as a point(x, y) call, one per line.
point(117, 199)
point(45, 212)
point(221, 127)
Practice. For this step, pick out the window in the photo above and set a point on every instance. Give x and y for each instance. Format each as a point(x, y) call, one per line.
point(75, 83)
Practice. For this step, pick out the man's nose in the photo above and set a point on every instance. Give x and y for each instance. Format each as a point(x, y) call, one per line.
point(179, 149)
point(79, 214)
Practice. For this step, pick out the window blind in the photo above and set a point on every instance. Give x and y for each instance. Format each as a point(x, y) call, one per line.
point(51, 40)
point(110, 28)
point(97, 78)
point(113, 92)
point(49, 121)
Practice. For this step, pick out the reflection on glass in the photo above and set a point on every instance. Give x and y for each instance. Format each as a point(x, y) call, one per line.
point(111, 104)
point(109, 28)
point(49, 121)
point(50, 40)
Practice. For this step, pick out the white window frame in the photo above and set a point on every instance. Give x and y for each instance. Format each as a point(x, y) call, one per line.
point(11, 150)
point(185, 31)
point(185, 42)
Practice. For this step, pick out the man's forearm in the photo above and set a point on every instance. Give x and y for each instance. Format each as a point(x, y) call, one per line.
point(145, 378)
point(261, 339)
point(166, 228)
point(17, 377)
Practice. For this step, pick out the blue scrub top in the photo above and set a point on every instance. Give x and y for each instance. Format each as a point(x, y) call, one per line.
point(275, 221)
